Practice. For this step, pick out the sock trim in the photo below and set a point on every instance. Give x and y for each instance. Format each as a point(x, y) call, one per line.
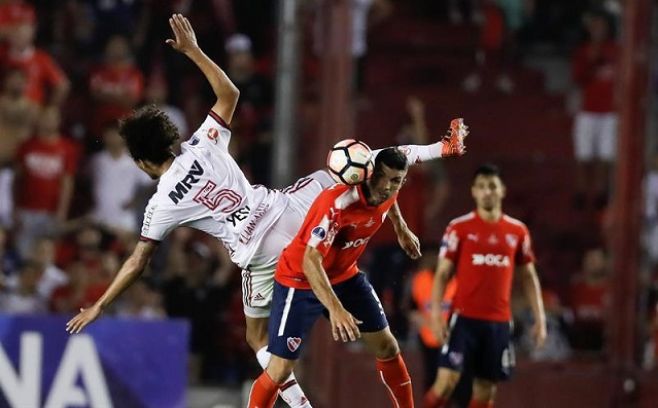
point(390, 391)
point(287, 385)
point(386, 360)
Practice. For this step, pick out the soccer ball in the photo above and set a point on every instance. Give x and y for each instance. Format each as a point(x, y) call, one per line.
point(350, 162)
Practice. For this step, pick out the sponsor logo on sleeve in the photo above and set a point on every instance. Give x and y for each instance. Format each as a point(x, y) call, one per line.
point(319, 232)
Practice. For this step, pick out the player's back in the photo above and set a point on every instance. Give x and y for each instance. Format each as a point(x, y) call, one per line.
point(205, 189)
point(485, 255)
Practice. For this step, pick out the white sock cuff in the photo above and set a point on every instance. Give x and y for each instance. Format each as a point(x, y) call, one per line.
point(263, 356)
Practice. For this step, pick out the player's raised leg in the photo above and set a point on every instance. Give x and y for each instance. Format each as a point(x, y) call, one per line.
point(452, 144)
point(390, 366)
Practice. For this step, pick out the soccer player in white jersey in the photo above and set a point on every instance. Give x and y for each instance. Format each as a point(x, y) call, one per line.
point(204, 188)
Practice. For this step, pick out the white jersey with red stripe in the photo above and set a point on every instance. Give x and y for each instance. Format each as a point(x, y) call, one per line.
point(205, 189)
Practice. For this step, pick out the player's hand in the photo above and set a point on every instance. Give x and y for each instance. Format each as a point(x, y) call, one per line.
point(409, 243)
point(539, 334)
point(438, 326)
point(185, 39)
point(344, 325)
point(83, 318)
point(453, 142)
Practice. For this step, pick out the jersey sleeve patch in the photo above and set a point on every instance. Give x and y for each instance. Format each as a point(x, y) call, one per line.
point(213, 133)
point(319, 233)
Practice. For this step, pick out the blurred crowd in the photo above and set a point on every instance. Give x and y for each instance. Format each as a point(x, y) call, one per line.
point(71, 198)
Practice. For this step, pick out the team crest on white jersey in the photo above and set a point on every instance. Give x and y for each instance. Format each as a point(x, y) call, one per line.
point(213, 135)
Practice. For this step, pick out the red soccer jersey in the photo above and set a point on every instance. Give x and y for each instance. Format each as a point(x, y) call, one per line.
point(41, 70)
point(339, 224)
point(124, 80)
point(485, 255)
point(597, 76)
point(43, 164)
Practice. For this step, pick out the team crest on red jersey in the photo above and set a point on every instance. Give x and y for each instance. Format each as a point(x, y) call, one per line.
point(293, 343)
point(512, 240)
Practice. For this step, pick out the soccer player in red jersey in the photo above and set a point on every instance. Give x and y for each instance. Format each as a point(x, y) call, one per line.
point(317, 274)
point(484, 248)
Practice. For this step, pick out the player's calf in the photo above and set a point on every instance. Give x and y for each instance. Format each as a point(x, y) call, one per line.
point(484, 393)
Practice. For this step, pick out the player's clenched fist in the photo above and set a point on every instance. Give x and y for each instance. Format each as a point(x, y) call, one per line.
point(185, 39)
point(344, 325)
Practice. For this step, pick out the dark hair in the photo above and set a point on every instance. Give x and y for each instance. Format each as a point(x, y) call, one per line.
point(487, 170)
point(392, 157)
point(149, 134)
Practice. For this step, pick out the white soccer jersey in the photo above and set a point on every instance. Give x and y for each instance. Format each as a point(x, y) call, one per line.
point(205, 189)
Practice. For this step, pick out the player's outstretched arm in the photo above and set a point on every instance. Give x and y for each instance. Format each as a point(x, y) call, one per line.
point(532, 290)
point(406, 238)
point(443, 274)
point(131, 269)
point(185, 42)
point(343, 324)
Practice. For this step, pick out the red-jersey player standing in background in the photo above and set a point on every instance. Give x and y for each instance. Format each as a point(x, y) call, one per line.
point(484, 248)
point(317, 274)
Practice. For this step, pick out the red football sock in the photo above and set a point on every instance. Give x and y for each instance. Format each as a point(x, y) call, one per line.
point(480, 404)
point(432, 400)
point(396, 378)
point(263, 393)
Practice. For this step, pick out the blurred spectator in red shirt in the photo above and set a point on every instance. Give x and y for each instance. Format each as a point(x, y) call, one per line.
point(46, 83)
point(17, 118)
point(595, 125)
point(45, 168)
point(589, 299)
point(116, 86)
point(13, 11)
point(500, 22)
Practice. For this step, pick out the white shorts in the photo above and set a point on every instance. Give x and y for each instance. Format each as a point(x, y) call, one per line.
point(595, 136)
point(258, 277)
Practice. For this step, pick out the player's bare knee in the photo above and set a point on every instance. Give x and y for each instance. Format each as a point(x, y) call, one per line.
point(387, 348)
point(446, 382)
point(280, 369)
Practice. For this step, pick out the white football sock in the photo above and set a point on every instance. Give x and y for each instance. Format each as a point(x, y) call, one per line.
point(290, 390)
point(418, 153)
